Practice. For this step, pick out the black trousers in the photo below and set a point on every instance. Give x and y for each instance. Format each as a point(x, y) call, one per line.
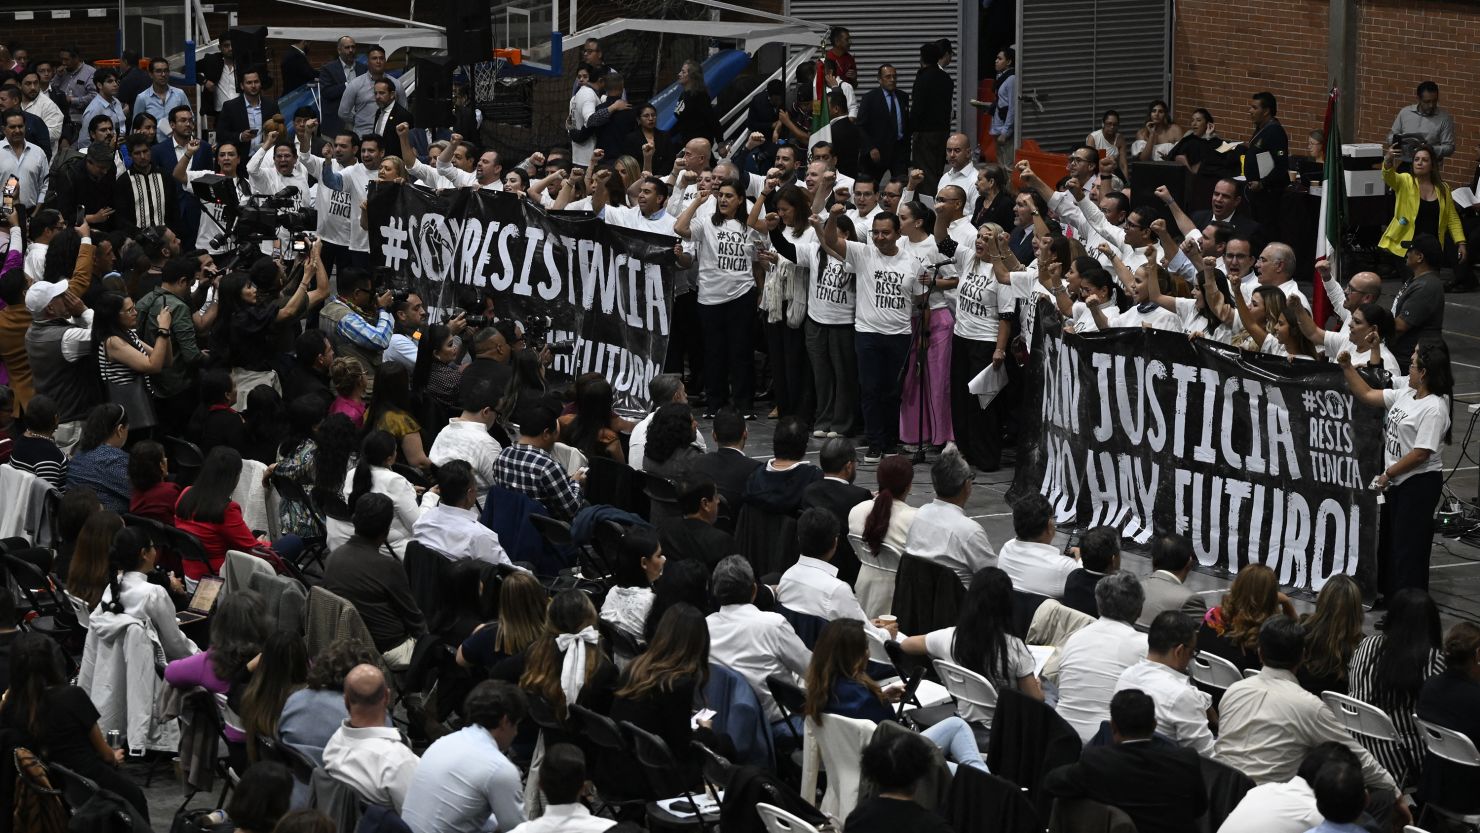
point(791, 371)
point(729, 353)
point(684, 343)
point(978, 429)
point(1408, 533)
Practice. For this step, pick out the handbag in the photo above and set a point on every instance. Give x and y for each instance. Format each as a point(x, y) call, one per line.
point(136, 401)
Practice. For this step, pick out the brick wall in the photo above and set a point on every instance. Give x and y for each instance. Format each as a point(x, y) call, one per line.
point(1280, 46)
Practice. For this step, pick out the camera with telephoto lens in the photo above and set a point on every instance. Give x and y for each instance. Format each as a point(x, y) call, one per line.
point(537, 331)
point(259, 217)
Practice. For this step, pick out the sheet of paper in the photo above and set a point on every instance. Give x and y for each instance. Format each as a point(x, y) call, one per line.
point(988, 383)
point(1041, 655)
point(702, 714)
point(1227, 146)
point(1265, 163)
point(680, 806)
point(1464, 197)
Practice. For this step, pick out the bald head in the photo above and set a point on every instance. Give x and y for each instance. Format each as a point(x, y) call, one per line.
point(696, 155)
point(365, 696)
point(958, 151)
point(951, 201)
point(1363, 288)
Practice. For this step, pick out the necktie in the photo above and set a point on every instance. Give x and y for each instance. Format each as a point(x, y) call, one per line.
point(894, 111)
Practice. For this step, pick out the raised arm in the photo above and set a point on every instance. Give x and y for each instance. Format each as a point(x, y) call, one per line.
point(408, 153)
point(1250, 321)
point(1212, 294)
point(681, 226)
point(1123, 272)
point(1184, 223)
point(1363, 392)
point(1052, 279)
point(834, 239)
point(182, 167)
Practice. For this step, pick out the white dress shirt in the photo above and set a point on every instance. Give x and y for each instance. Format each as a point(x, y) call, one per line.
point(464, 784)
point(469, 440)
point(1267, 723)
point(627, 608)
point(944, 535)
point(42, 107)
point(403, 498)
point(901, 518)
point(1276, 807)
point(374, 761)
point(812, 586)
point(1181, 708)
point(31, 169)
point(565, 818)
point(1090, 665)
point(965, 179)
point(1036, 568)
point(454, 532)
point(757, 644)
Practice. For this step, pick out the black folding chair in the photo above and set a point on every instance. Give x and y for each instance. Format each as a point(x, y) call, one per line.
point(667, 778)
point(790, 699)
point(315, 547)
point(185, 459)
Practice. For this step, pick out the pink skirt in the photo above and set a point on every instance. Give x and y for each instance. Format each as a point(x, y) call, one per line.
point(937, 401)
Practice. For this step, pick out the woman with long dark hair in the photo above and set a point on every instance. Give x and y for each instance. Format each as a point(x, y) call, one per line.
point(267, 424)
point(650, 145)
point(566, 664)
point(693, 115)
point(238, 629)
point(437, 372)
point(390, 411)
point(1388, 670)
point(837, 683)
point(154, 495)
point(124, 360)
point(670, 443)
point(1159, 136)
point(300, 453)
point(640, 563)
point(1415, 428)
point(933, 330)
point(87, 573)
point(983, 641)
point(58, 720)
point(789, 259)
point(101, 464)
point(526, 385)
point(131, 559)
point(372, 473)
point(216, 420)
point(1424, 205)
point(723, 249)
point(683, 582)
point(244, 324)
point(335, 445)
point(1332, 633)
point(207, 511)
point(884, 520)
point(589, 429)
point(277, 672)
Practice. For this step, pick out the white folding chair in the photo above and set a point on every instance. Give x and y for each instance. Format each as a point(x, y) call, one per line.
point(876, 574)
point(1213, 670)
point(886, 559)
point(1250, 672)
point(1408, 828)
point(966, 685)
point(1447, 743)
point(1359, 718)
point(834, 744)
point(778, 820)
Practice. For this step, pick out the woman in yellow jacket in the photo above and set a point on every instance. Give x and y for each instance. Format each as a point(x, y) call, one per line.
point(1423, 205)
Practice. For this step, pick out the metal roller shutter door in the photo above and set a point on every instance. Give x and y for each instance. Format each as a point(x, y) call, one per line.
point(1082, 57)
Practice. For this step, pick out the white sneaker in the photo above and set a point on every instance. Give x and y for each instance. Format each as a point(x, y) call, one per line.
point(819, 433)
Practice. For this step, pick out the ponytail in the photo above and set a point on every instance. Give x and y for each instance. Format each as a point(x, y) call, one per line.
point(128, 544)
point(894, 475)
point(378, 445)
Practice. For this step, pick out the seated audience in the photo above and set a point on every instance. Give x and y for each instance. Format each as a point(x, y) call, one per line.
point(1030, 559)
point(129, 592)
point(464, 778)
point(206, 510)
point(837, 493)
point(466, 437)
point(347, 377)
point(753, 643)
point(894, 762)
point(372, 472)
point(640, 562)
point(520, 621)
point(663, 389)
point(1166, 588)
point(261, 798)
point(88, 571)
point(78, 505)
point(1093, 658)
point(1183, 711)
point(778, 485)
point(312, 714)
point(941, 533)
point(727, 465)
point(812, 585)
point(51, 717)
point(216, 422)
point(276, 673)
point(1332, 634)
point(683, 582)
point(527, 467)
point(1267, 723)
point(1160, 786)
point(837, 684)
point(694, 536)
point(1452, 700)
point(589, 428)
point(364, 572)
point(300, 455)
point(1341, 797)
point(154, 495)
point(1389, 669)
point(237, 634)
point(886, 519)
point(1231, 630)
point(670, 442)
point(566, 663)
point(983, 641)
point(365, 752)
point(35, 450)
point(390, 411)
point(101, 464)
point(449, 519)
point(1287, 806)
point(1099, 552)
point(563, 782)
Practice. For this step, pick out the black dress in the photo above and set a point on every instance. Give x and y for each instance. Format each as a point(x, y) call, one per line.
point(893, 815)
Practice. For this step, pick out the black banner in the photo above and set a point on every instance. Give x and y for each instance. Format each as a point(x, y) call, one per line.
point(1256, 458)
point(570, 278)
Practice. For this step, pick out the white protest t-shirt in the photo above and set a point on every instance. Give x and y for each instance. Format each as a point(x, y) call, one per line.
point(335, 207)
point(1334, 343)
point(1413, 423)
point(725, 253)
point(927, 251)
point(213, 215)
point(977, 305)
point(832, 294)
point(630, 216)
point(1082, 316)
point(1159, 318)
point(883, 303)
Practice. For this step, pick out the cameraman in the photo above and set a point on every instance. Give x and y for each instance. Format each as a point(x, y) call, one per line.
point(410, 314)
point(358, 320)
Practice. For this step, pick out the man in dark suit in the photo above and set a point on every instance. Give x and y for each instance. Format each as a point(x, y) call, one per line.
point(333, 76)
point(727, 465)
point(242, 117)
point(132, 80)
point(1099, 552)
point(884, 127)
point(210, 69)
point(694, 535)
point(1228, 207)
point(836, 493)
point(1158, 784)
point(389, 113)
point(166, 154)
point(934, 104)
point(845, 137)
point(297, 71)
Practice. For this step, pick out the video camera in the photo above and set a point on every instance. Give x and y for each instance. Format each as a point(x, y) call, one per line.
point(257, 217)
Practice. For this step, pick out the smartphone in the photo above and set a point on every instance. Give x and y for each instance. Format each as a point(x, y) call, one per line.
point(81, 216)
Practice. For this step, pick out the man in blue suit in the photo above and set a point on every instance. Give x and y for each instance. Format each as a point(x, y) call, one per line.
point(333, 76)
point(166, 154)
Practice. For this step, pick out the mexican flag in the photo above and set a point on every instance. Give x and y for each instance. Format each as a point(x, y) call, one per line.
point(1333, 214)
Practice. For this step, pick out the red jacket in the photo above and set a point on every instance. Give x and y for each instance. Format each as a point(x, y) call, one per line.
point(230, 534)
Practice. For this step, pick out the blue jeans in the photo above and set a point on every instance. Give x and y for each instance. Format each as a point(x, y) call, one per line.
point(881, 361)
point(955, 738)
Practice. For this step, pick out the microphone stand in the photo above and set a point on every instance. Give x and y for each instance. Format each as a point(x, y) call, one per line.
point(922, 350)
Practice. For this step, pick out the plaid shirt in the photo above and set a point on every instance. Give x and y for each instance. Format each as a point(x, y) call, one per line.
point(534, 472)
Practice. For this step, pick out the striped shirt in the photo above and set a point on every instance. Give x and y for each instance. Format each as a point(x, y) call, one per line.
point(1401, 758)
point(41, 457)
